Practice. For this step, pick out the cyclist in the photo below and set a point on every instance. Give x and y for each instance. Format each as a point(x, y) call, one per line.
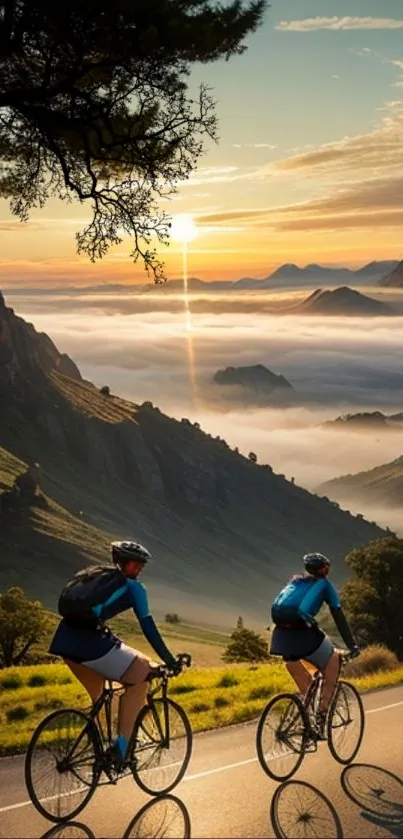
point(297, 636)
point(92, 652)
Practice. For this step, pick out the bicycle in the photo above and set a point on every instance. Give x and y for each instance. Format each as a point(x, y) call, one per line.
point(292, 722)
point(69, 749)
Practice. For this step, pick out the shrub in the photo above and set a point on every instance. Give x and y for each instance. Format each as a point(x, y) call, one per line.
point(20, 712)
point(172, 617)
point(246, 645)
point(37, 680)
point(199, 707)
point(11, 682)
point(373, 659)
point(221, 702)
point(105, 390)
point(261, 692)
point(182, 689)
point(227, 681)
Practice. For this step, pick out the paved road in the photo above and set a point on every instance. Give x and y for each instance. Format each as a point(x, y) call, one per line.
point(226, 793)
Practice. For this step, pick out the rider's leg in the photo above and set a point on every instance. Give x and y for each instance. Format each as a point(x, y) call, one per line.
point(135, 681)
point(330, 676)
point(300, 674)
point(93, 682)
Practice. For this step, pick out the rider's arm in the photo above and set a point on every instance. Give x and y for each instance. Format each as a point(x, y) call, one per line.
point(139, 602)
point(332, 599)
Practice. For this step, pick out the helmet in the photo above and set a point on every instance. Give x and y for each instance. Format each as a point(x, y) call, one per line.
point(123, 552)
point(314, 563)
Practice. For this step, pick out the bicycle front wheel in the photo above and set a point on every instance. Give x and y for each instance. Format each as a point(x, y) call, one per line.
point(281, 736)
point(62, 764)
point(346, 720)
point(162, 746)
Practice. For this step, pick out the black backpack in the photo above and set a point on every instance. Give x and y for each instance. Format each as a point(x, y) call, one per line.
point(88, 588)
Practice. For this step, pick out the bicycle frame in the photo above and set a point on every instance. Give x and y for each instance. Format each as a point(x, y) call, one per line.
point(163, 687)
point(161, 674)
point(314, 691)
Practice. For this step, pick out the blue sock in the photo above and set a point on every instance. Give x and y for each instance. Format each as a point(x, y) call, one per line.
point(122, 744)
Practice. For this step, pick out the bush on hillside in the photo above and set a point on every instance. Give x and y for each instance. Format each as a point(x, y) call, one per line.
point(373, 659)
point(172, 617)
point(246, 645)
point(105, 390)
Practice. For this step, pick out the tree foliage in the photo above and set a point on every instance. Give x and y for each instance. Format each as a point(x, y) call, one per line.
point(95, 106)
point(246, 645)
point(373, 598)
point(172, 617)
point(23, 622)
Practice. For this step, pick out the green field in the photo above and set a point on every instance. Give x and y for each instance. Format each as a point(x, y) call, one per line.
point(212, 697)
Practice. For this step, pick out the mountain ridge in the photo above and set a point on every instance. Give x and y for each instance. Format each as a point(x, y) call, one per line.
point(394, 277)
point(373, 271)
point(380, 485)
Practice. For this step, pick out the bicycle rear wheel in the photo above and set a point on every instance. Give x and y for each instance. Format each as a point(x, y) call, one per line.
point(346, 721)
point(281, 736)
point(162, 746)
point(62, 765)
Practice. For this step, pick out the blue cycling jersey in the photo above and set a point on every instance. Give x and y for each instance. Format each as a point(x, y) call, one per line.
point(82, 644)
point(131, 594)
point(303, 597)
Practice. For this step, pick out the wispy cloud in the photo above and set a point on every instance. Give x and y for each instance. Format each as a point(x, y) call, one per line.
point(378, 149)
point(212, 175)
point(342, 221)
point(375, 203)
point(254, 146)
point(314, 24)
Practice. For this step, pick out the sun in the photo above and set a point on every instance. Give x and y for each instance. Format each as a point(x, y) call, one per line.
point(183, 228)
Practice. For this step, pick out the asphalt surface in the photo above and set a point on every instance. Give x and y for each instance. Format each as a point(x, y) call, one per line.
point(225, 793)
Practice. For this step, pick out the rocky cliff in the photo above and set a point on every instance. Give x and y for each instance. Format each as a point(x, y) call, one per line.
point(26, 355)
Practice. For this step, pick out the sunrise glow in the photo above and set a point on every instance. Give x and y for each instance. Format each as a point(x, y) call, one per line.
point(183, 228)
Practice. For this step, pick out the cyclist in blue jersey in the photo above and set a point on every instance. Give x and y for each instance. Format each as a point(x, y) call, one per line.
point(92, 652)
point(297, 636)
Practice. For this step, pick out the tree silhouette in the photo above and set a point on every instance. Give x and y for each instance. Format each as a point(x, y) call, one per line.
point(22, 623)
point(94, 106)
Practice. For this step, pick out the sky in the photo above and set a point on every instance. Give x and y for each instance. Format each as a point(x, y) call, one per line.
point(307, 168)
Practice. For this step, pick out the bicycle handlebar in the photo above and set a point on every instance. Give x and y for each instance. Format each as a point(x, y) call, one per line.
point(345, 655)
point(166, 672)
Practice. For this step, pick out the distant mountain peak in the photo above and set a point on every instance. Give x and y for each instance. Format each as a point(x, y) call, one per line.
point(342, 301)
point(257, 383)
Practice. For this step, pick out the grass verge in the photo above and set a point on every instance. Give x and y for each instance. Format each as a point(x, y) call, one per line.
point(212, 698)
